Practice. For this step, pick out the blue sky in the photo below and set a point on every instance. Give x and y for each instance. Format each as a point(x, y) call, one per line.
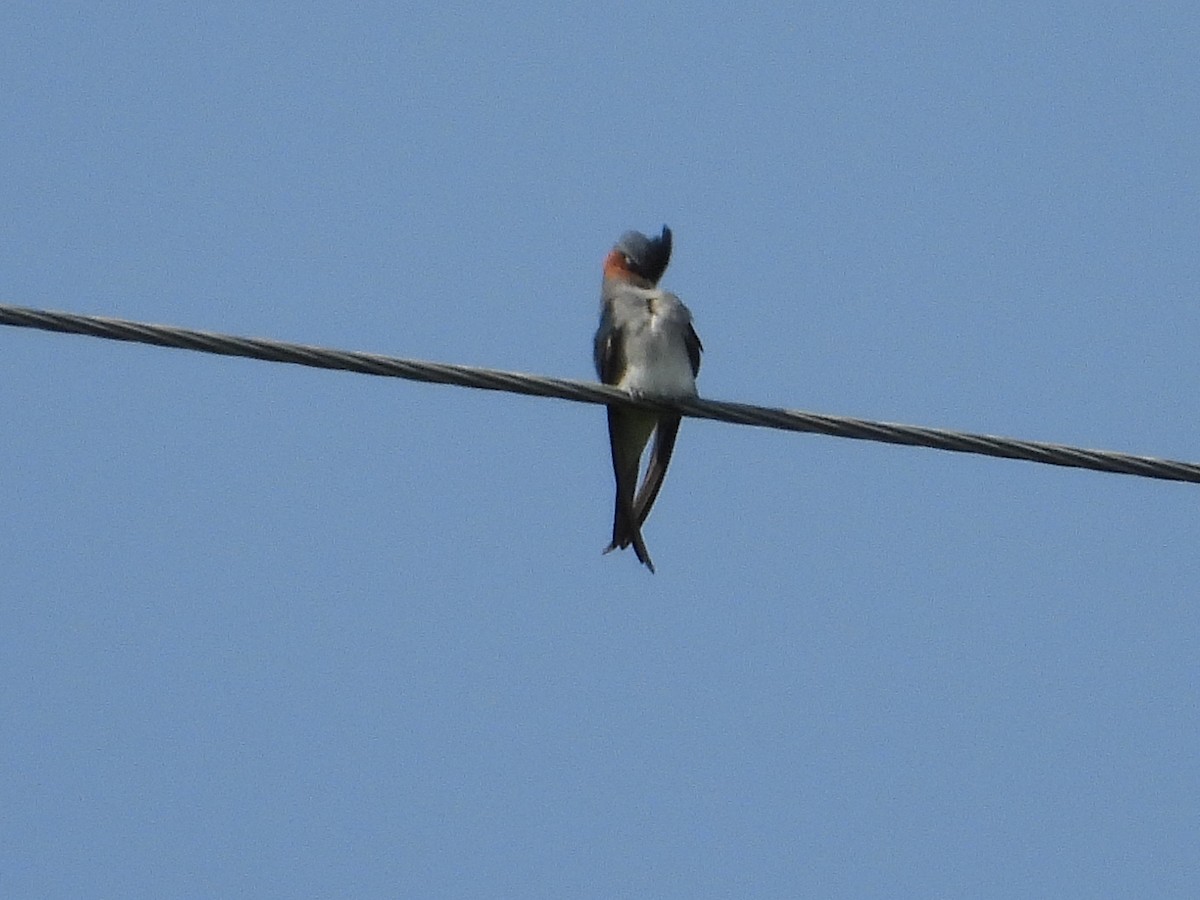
point(268, 631)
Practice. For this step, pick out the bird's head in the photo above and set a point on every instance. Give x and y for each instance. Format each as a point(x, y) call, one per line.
point(638, 259)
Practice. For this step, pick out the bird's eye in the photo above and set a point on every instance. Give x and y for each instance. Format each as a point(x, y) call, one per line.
point(628, 260)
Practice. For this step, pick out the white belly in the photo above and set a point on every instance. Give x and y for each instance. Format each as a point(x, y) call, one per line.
point(656, 361)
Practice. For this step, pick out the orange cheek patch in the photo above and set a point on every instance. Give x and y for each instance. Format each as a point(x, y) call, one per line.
point(615, 267)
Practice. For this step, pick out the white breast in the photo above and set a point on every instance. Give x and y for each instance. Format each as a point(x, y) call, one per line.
point(656, 359)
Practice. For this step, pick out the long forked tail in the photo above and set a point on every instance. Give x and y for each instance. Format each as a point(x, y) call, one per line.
point(628, 436)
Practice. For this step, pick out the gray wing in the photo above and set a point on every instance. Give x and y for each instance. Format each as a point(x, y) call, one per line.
point(691, 341)
point(606, 352)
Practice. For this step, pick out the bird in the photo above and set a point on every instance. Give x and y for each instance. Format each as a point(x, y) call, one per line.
point(646, 345)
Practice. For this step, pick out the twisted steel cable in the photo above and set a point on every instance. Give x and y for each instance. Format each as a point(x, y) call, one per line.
point(589, 392)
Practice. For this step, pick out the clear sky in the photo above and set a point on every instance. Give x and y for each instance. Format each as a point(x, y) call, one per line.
point(274, 632)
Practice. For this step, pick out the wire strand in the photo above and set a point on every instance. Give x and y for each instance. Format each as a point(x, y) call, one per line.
point(590, 392)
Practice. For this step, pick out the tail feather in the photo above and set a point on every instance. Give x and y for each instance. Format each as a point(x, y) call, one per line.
point(660, 457)
point(628, 435)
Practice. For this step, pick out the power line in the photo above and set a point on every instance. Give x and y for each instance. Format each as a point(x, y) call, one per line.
point(589, 392)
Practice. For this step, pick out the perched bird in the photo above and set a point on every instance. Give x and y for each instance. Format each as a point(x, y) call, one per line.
point(647, 346)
